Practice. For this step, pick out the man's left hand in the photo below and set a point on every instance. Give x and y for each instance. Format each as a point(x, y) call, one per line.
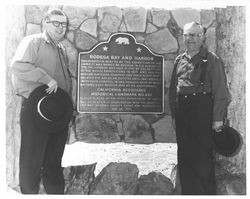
point(52, 87)
point(217, 126)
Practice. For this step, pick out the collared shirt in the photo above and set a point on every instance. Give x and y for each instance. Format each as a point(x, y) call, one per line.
point(186, 80)
point(37, 61)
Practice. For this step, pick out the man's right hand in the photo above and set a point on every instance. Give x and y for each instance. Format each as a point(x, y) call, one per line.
point(217, 126)
point(52, 87)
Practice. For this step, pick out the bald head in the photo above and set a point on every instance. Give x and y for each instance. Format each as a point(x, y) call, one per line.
point(193, 33)
point(196, 27)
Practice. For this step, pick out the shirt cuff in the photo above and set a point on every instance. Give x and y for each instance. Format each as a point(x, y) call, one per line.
point(51, 83)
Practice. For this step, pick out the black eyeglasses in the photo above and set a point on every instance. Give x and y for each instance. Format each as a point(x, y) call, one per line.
point(58, 23)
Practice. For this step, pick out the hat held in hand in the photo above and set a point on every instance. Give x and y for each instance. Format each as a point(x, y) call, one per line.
point(228, 142)
point(50, 112)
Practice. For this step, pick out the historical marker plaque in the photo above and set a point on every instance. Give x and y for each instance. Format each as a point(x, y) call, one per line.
point(120, 76)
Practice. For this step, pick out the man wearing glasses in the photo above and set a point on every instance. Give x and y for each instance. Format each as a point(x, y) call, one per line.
point(198, 99)
point(41, 59)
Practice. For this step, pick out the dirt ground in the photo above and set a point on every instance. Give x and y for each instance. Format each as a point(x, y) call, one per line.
point(159, 157)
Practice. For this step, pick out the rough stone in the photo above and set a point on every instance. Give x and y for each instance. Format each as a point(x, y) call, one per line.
point(171, 56)
point(139, 37)
point(90, 26)
point(116, 117)
point(103, 36)
point(168, 69)
point(152, 118)
point(78, 179)
point(167, 110)
point(229, 180)
point(15, 16)
point(155, 183)
point(33, 29)
point(34, 13)
point(160, 17)
point(123, 27)
point(120, 130)
point(162, 42)
point(77, 15)
point(175, 178)
point(135, 19)
point(72, 54)
point(148, 157)
point(190, 15)
point(149, 17)
point(182, 47)
point(110, 23)
point(71, 134)
point(151, 28)
point(55, 7)
point(83, 41)
point(207, 17)
point(116, 179)
point(211, 39)
point(74, 91)
point(70, 35)
point(96, 128)
point(231, 185)
point(12, 159)
point(164, 131)
point(136, 130)
point(231, 47)
point(109, 18)
point(226, 167)
point(41, 189)
point(174, 29)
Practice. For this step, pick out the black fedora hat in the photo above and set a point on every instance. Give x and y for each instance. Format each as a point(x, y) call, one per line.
point(228, 142)
point(50, 113)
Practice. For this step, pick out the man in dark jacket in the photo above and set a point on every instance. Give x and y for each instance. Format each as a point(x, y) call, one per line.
point(198, 100)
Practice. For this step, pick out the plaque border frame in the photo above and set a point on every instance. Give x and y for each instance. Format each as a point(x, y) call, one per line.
point(115, 112)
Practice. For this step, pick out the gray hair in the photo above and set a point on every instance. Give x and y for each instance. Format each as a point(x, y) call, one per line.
point(54, 11)
point(194, 23)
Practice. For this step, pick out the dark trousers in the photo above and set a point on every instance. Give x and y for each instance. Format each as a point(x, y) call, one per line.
point(40, 157)
point(194, 141)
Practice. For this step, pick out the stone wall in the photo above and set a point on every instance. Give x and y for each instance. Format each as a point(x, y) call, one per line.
point(231, 46)
point(159, 29)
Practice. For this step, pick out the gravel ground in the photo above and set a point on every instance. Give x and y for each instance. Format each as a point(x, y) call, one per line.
point(148, 157)
point(159, 157)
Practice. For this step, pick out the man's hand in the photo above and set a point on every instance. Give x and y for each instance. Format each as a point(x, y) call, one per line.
point(217, 126)
point(52, 86)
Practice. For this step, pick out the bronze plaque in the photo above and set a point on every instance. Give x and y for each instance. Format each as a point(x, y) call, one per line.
point(120, 76)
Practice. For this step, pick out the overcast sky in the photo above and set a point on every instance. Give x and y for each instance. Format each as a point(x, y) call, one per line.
point(169, 4)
